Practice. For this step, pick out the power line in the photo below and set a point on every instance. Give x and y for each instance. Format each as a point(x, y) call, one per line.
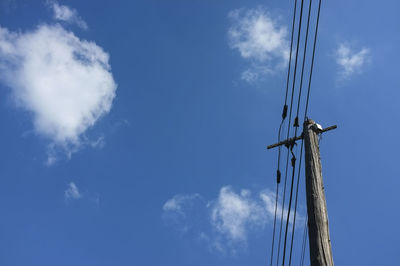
point(276, 207)
point(283, 205)
point(291, 48)
point(290, 114)
point(296, 124)
point(284, 114)
point(312, 60)
point(295, 204)
point(303, 247)
point(305, 232)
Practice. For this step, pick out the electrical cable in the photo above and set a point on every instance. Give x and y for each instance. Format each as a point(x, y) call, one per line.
point(312, 60)
point(303, 247)
point(296, 125)
point(282, 211)
point(305, 116)
point(295, 204)
point(284, 114)
point(276, 207)
point(291, 48)
point(290, 114)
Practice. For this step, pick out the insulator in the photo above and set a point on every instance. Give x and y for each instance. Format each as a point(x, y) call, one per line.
point(293, 161)
point(278, 176)
point(284, 112)
point(296, 122)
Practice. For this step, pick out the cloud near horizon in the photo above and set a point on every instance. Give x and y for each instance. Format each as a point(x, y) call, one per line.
point(64, 82)
point(261, 40)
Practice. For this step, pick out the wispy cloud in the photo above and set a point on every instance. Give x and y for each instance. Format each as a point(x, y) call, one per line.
point(176, 211)
point(260, 39)
point(178, 202)
point(66, 14)
point(350, 61)
point(72, 192)
point(232, 216)
point(64, 82)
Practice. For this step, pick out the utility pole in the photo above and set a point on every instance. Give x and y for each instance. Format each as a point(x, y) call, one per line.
point(318, 228)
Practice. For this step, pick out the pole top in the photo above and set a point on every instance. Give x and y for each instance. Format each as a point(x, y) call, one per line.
point(308, 123)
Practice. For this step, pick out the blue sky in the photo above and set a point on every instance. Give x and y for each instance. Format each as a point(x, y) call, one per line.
point(134, 132)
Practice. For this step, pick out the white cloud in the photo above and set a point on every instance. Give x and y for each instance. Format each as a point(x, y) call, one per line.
point(67, 14)
point(72, 192)
point(261, 39)
point(350, 61)
point(231, 216)
point(178, 202)
point(178, 211)
point(63, 81)
point(255, 73)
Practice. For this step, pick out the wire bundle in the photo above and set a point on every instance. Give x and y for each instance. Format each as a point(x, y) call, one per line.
point(296, 126)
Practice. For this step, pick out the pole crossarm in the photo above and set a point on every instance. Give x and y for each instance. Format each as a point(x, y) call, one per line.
point(290, 141)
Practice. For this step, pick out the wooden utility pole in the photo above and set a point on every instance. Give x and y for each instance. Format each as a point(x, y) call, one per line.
point(318, 228)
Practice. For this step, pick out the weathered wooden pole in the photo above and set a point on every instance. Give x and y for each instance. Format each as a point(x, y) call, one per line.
point(318, 228)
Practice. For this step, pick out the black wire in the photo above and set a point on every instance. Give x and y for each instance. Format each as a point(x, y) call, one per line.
point(296, 122)
point(279, 133)
point(273, 236)
point(279, 148)
point(312, 60)
point(295, 67)
point(305, 115)
point(290, 115)
point(302, 67)
point(303, 247)
point(291, 48)
point(296, 127)
point(283, 205)
point(288, 216)
point(295, 204)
